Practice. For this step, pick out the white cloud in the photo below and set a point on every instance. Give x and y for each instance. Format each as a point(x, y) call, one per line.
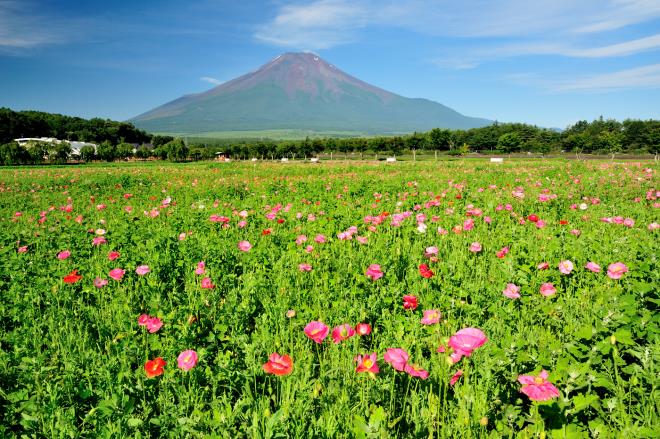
point(327, 23)
point(640, 77)
point(211, 80)
point(318, 25)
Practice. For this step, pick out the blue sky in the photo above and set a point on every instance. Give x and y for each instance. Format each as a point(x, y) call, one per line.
point(548, 63)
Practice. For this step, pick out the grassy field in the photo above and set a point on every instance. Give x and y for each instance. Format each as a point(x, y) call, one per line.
point(460, 299)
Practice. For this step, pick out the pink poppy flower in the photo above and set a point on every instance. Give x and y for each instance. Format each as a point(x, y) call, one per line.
point(100, 283)
point(301, 239)
point(431, 252)
point(512, 291)
point(142, 270)
point(244, 246)
point(317, 331)
point(475, 247)
point(374, 272)
point(305, 267)
point(415, 371)
point(201, 268)
point(99, 240)
point(153, 324)
point(113, 255)
point(143, 319)
point(367, 363)
point(63, 255)
point(502, 253)
point(547, 290)
point(207, 284)
point(616, 270)
point(466, 340)
point(320, 239)
point(593, 267)
point(397, 358)
point(182, 236)
point(342, 332)
point(538, 388)
point(23, 249)
point(363, 329)
point(543, 266)
point(309, 249)
point(565, 267)
point(187, 360)
point(409, 302)
point(455, 377)
point(117, 273)
point(431, 317)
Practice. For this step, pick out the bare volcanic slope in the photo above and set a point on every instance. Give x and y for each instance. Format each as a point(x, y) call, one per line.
point(300, 91)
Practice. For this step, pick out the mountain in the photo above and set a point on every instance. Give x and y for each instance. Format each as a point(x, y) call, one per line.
point(300, 91)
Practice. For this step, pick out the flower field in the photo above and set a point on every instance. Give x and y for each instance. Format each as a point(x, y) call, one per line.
point(445, 299)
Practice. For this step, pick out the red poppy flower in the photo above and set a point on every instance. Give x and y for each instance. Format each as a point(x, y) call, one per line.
point(279, 364)
point(425, 271)
point(72, 277)
point(154, 368)
point(533, 218)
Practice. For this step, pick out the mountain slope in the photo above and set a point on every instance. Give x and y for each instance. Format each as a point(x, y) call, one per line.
point(300, 91)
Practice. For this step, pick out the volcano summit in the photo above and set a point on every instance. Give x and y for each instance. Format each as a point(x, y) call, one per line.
point(300, 91)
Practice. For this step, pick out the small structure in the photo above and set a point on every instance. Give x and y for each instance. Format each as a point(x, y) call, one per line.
point(314, 160)
point(285, 159)
point(390, 159)
point(220, 157)
point(496, 160)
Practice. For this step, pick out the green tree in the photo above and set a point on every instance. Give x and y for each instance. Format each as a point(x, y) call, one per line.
point(87, 153)
point(439, 139)
point(106, 151)
point(509, 142)
point(13, 154)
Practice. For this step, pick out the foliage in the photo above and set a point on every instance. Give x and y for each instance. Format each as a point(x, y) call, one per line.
point(72, 354)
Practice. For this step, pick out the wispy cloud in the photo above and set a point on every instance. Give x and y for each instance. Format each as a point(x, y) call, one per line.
point(640, 77)
point(319, 25)
point(22, 26)
point(211, 80)
point(327, 23)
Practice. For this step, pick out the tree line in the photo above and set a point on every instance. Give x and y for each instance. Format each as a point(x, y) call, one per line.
point(121, 140)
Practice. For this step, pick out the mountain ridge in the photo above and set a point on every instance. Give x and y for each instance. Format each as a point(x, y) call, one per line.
point(300, 91)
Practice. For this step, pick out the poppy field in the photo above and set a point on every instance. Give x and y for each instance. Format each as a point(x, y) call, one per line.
point(439, 299)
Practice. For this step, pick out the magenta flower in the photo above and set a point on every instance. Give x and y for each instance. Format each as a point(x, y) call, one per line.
point(142, 270)
point(100, 283)
point(63, 255)
point(363, 329)
point(616, 270)
point(113, 255)
point(397, 358)
point(475, 247)
point(99, 240)
point(465, 341)
point(305, 267)
point(455, 377)
point(565, 267)
point(512, 291)
point(431, 317)
point(431, 252)
point(317, 331)
point(117, 273)
point(207, 284)
point(543, 266)
point(342, 332)
point(143, 318)
point(415, 371)
point(547, 290)
point(593, 267)
point(367, 363)
point(201, 268)
point(374, 272)
point(153, 324)
point(538, 388)
point(244, 246)
point(187, 360)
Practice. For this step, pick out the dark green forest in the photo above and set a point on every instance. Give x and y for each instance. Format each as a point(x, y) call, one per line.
point(121, 140)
